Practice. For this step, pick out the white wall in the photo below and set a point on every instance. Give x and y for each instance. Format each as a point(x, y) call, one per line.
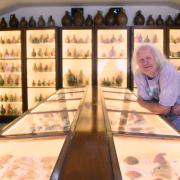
point(58, 11)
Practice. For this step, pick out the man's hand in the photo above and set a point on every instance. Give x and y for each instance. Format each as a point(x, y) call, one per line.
point(176, 109)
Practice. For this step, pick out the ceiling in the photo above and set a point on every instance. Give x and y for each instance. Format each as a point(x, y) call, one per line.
point(9, 5)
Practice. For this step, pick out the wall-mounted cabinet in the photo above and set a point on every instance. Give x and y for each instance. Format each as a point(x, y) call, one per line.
point(112, 57)
point(173, 50)
point(77, 57)
point(10, 73)
point(41, 64)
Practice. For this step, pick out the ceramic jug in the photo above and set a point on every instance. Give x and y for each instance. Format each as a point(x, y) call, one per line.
point(32, 22)
point(110, 18)
point(3, 23)
point(41, 22)
point(89, 21)
point(78, 19)
point(159, 21)
point(13, 22)
point(51, 22)
point(150, 21)
point(139, 18)
point(67, 19)
point(177, 20)
point(23, 23)
point(121, 18)
point(98, 19)
point(169, 21)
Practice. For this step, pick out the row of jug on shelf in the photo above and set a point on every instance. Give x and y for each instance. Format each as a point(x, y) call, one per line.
point(10, 97)
point(39, 67)
point(10, 53)
point(9, 110)
point(174, 54)
point(9, 80)
point(42, 38)
point(175, 39)
point(10, 40)
point(112, 53)
point(76, 39)
point(43, 53)
point(78, 53)
point(8, 67)
point(74, 79)
point(114, 81)
point(140, 38)
point(112, 39)
point(39, 98)
point(23, 23)
point(43, 83)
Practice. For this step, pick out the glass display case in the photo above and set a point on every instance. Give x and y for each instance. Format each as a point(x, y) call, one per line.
point(52, 115)
point(174, 46)
point(145, 158)
point(124, 114)
point(77, 57)
point(41, 64)
point(112, 57)
point(10, 73)
point(33, 161)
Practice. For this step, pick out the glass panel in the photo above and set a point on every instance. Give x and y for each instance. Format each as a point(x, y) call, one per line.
point(147, 159)
point(32, 161)
point(77, 57)
point(41, 59)
point(112, 57)
point(10, 73)
point(57, 106)
point(42, 122)
point(139, 123)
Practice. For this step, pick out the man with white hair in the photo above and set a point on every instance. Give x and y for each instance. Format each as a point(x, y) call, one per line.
point(158, 83)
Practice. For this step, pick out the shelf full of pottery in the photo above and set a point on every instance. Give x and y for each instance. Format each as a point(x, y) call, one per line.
point(41, 64)
point(77, 57)
point(153, 36)
point(112, 50)
point(126, 115)
point(77, 44)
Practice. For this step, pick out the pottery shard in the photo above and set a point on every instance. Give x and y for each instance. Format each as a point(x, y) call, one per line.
point(159, 158)
point(133, 174)
point(131, 160)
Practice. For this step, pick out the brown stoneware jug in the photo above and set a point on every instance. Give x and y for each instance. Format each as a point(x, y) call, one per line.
point(23, 23)
point(139, 18)
point(3, 23)
point(177, 20)
point(169, 21)
point(66, 19)
point(41, 22)
point(32, 22)
point(121, 18)
point(78, 19)
point(110, 18)
point(159, 21)
point(150, 21)
point(13, 22)
point(98, 19)
point(51, 22)
point(89, 21)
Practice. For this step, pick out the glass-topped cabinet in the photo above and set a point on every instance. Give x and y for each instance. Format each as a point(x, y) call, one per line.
point(77, 57)
point(112, 57)
point(174, 46)
point(41, 64)
point(10, 73)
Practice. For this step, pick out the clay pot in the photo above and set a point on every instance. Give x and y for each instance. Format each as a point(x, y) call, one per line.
point(121, 18)
point(98, 19)
point(13, 22)
point(66, 19)
point(177, 20)
point(159, 21)
point(51, 22)
point(139, 18)
point(23, 23)
point(41, 22)
point(3, 23)
point(78, 19)
point(89, 21)
point(32, 22)
point(110, 18)
point(150, 21)
point(169, 21)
